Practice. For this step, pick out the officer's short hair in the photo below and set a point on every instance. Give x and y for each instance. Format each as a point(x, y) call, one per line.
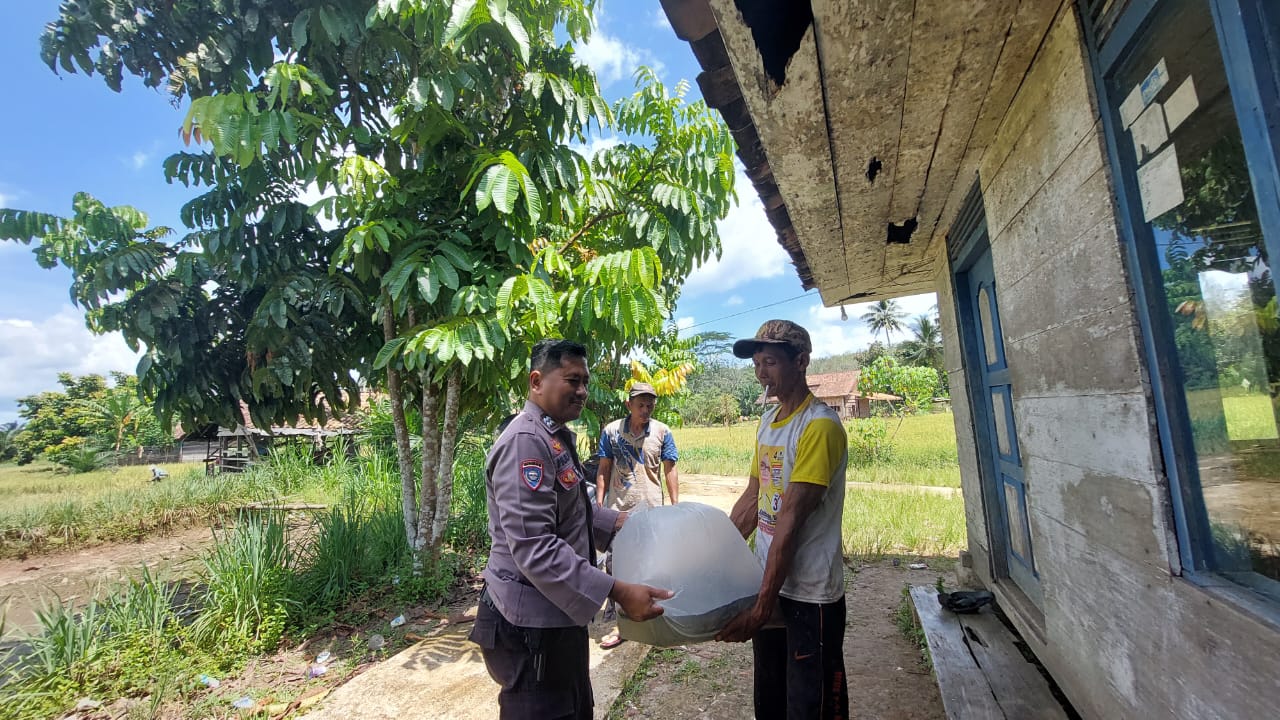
point(549, 354)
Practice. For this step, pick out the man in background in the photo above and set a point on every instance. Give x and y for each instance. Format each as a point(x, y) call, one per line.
point(637, 453)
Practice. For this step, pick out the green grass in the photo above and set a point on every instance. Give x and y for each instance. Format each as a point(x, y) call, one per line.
point(879, 523)
point(922, 452)
point(1249, 417)
point(43, 509)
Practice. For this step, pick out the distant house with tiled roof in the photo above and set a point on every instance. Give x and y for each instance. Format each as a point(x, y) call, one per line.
point(839, 391)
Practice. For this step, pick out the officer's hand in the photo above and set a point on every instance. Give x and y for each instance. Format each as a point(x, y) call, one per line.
point(638, 602)
point(622, 519)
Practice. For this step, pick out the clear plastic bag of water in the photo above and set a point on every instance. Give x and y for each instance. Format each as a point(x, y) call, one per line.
point(695, 551)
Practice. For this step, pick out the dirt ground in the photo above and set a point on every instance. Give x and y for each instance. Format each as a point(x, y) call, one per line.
point(886, 674)
point(27, 583)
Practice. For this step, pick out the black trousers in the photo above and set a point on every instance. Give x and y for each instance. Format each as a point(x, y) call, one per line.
point(800, 668)
point(511, 654)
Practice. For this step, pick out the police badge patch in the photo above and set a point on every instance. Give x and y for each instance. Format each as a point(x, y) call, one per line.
point(568, 478)
point(531, 473)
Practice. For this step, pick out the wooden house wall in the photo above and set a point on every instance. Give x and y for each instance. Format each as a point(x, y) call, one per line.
point(1122, 633)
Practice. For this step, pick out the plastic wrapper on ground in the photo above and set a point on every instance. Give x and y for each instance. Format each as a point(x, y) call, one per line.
point(695, 551)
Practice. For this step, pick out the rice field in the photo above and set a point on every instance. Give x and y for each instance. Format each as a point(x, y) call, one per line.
point(919, 450)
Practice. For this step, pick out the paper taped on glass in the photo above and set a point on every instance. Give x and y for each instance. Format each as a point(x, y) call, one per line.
point(1160, 184)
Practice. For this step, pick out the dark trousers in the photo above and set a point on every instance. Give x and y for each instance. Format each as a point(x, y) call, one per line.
point(800, 668)
point(511, 656)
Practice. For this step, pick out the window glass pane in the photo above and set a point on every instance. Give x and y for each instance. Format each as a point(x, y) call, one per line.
point(988, 327)
point(1015, 517)
point(1180, 133)
point(1000, 416)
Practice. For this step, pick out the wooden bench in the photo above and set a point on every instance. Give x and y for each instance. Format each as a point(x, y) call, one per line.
point(981, 673)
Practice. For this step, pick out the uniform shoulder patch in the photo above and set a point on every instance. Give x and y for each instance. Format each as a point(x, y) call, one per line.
point(531, 473)
point(557, 446)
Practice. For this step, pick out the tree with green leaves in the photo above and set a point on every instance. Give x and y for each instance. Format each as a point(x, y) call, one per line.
point(915, 385)
point(8, 440)
point(885, 316)
point(459, 223)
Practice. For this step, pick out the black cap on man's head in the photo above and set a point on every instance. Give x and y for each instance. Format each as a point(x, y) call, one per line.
point(774, 332)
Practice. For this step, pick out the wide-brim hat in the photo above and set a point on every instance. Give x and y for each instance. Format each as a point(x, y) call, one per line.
point(774, 332)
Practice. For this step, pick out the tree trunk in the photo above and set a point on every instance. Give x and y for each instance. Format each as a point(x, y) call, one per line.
point(448, 442)
point(404, 453)
point(430, 457)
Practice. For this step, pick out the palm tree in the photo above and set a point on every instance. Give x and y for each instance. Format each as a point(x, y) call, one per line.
point(925, 346)
point(884, 315)
point(8, 434)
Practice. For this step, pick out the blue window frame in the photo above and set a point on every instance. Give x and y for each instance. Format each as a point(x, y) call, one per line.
point(1191, 110)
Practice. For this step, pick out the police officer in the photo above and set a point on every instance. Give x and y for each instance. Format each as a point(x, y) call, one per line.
point(541, 588)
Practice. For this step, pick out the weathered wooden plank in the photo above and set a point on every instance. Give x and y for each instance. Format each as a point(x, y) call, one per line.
point(985, 32)
point(792, 128)
point(965, 691)
point(1052, 112)
point(1025, 34)
point(1019, 688)
point(691, 19)
point(865, 52)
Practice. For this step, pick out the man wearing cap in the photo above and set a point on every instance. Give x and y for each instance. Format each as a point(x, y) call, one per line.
point(636, 454)
point(541, 583)
point(794, 503)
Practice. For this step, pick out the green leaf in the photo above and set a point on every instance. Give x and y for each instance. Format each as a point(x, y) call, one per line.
point(505, 188)
point(428, 285)
point(456, 255)
point(448, 275)
point(388, 352)
point(299, 30)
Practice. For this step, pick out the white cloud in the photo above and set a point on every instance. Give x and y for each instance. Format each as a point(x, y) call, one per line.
point(613, 59)
point(833, 336)
point(32, 353)
point(6, 200)
point(659, 19)
point(749, 247)
point(139, 159)
point(683, 324)
point(595, 145)
point(734, 300)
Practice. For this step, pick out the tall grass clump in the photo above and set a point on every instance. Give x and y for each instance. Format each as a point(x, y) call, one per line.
point(246, 578)
point(879, 522)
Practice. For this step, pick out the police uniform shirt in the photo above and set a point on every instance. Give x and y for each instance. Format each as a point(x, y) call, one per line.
point(539, 572)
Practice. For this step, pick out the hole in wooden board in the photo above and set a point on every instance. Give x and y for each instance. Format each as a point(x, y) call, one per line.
point(873, 169)
point(901, 234)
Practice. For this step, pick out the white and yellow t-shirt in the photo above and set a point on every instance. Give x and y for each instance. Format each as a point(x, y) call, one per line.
point(810, 446)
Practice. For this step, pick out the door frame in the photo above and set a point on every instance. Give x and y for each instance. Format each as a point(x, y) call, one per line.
point(967, 241)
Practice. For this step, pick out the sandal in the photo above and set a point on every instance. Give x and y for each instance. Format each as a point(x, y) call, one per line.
point(612, 640)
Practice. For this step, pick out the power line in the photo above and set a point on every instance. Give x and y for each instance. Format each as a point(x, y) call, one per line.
point(751, 310)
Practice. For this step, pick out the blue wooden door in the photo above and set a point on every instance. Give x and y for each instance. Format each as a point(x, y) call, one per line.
point(993, 401)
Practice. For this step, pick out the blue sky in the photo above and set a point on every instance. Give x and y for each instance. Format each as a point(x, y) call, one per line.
point(69, 133)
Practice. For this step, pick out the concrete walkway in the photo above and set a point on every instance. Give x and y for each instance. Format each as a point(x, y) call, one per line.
point(443, 677)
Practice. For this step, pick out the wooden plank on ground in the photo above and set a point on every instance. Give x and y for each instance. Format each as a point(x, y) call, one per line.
point(1018, 686)
point(965, 691)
